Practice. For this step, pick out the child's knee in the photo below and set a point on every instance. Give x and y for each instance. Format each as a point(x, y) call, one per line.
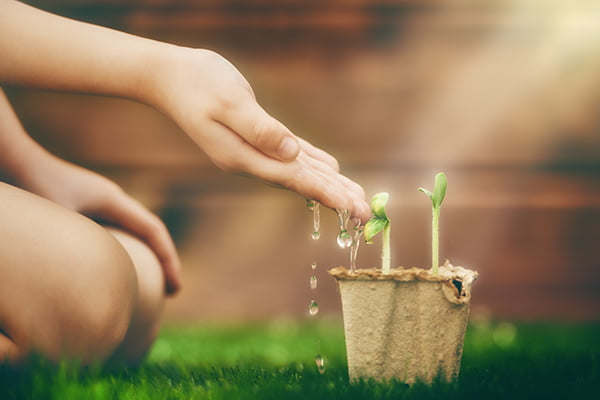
point(81, 307)
point(67, 287)
point(98, 324)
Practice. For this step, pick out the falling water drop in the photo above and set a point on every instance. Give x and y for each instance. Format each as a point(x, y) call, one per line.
point(316, 222)
point(313, 308)
point(344, 240)
point(313, 282)
point(320, 363)
point(313, 206)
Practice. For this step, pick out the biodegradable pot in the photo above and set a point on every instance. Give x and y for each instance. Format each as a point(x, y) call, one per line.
point(407, 325)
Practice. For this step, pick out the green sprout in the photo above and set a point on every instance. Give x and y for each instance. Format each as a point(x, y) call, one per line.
point(376, 224)
point(439, 191)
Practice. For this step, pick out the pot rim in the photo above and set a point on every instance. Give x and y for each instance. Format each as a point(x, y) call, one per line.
point(447, 272)
point(455, 281)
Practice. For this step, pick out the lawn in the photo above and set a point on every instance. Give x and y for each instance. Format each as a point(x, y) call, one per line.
point(275, 360)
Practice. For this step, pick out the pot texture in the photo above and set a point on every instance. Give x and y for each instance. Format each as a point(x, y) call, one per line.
point(407, 325)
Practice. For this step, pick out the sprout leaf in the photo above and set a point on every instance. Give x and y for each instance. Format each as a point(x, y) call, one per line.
point(373, 227)
point(439, 189)
point(380, 222)
point(378, 203)
point(427, 193)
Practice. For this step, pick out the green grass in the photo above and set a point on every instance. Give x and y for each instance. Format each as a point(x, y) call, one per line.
point(276, 361)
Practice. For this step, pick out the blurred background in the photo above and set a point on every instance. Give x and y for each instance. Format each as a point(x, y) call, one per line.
point(504, 96)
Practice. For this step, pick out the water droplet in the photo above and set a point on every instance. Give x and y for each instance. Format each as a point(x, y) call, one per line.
point(344, 240)
point(313, 308)
point(313, 206)
point(320, 364)
point(313, 265)
point(358, 232)
point(313, 282)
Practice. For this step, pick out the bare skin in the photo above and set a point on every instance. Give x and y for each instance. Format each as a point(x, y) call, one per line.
point(148, 304)
point(69, 287)
point(60, 198)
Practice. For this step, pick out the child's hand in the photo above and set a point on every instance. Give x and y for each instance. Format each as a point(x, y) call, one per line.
point(200, 90)
point(86, 192)
point(213, 103)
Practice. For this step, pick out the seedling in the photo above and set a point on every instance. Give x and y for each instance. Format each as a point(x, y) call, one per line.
point(439, 191)
point(380, 222)
point(427, 315)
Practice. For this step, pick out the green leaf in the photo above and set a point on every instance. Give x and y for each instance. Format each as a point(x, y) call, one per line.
point(380, 219)
point(373, 227)
point(378, 203)
point(427, 192)
point(439, 189)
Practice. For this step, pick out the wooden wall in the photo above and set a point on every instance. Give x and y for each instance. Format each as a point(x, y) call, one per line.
point(503, 96)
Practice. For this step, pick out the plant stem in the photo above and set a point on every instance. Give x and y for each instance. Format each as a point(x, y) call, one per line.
point(385, 254)
point(435, 241)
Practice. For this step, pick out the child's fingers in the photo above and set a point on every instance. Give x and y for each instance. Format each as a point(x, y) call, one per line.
point(326, 168)
point(319, 154)
point(132, 216)
point(324, 163)
point(249, 120)
point(306, 175)
point(354, 192)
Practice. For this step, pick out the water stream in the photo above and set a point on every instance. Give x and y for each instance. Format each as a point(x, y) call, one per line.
point(344, 240)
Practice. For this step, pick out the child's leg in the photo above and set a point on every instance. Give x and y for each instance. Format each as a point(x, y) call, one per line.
point(146, 319)
point(67, 287)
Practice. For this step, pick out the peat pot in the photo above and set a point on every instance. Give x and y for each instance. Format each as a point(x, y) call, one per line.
point(407, 325)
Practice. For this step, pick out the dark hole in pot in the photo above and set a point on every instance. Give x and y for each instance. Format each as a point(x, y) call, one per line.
point(458, 285)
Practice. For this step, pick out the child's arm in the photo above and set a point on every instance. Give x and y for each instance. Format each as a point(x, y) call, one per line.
point(202, 92)
point(17, 150)
point(26, 164)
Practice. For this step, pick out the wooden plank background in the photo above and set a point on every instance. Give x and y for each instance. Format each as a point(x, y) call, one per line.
point(501, 95)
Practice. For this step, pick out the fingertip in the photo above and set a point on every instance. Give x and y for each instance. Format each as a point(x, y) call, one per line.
point(361, 210)
point(172, 288)
point(172, 276)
